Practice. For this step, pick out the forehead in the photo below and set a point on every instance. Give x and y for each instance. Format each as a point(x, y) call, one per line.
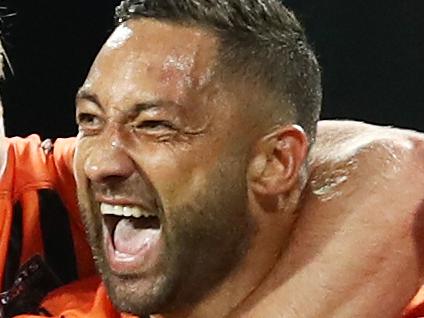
point(147, 57)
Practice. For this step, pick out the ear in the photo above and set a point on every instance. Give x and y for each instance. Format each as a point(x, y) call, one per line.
point(277, 160)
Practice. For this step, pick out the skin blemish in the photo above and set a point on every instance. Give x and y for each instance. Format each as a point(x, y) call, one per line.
point(179, 68)
point(181, 63)
point(119, 37)
point(205, 77)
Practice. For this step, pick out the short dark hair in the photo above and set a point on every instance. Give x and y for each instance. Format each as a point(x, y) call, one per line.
point(261, 39)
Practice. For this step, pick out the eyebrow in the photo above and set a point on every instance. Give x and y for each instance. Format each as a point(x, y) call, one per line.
point(87, 95)
point(136, 108)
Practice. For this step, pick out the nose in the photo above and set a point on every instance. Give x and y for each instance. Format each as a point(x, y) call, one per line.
point(109, 162)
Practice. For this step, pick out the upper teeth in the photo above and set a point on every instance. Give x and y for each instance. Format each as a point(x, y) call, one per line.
point(123, 210)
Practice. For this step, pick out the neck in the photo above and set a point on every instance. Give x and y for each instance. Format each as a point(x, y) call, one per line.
point(262, 255)
point(340, 269)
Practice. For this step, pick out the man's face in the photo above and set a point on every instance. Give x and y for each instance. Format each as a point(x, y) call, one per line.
point(161, 166)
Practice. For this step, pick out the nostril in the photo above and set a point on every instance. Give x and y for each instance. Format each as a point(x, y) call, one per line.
point(111, 180)
point(117, 166)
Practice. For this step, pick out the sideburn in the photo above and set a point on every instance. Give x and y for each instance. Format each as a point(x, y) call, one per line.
point(209, 243)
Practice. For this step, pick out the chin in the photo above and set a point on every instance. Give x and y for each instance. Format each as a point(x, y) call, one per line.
point(139, 296)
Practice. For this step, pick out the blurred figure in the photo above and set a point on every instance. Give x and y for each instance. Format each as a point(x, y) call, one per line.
point(40, 227)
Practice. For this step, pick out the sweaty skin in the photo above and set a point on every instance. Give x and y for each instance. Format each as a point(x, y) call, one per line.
point(163, 133)
point(357, 247)
point(356, 250)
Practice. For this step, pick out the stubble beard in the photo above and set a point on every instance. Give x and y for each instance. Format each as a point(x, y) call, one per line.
point(205, 241)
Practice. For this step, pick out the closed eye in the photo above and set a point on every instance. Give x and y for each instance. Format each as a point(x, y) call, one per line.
point(155, 125)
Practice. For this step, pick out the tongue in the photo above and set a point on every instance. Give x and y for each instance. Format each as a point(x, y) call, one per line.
point(130, 239)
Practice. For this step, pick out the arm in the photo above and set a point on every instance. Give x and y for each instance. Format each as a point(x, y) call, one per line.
point(357, 247)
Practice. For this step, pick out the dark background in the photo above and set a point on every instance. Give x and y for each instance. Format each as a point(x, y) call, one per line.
point(371, 52)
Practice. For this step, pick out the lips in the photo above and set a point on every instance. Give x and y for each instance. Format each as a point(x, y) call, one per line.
point(131, 237)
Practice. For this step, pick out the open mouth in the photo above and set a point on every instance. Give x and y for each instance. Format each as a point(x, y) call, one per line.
point(131, 236)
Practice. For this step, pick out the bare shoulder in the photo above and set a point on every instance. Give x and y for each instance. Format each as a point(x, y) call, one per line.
point(367, 184)
point(359, 234)
point(338, 140)
point(362, 152)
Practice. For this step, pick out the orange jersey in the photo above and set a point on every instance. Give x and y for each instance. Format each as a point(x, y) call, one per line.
point(39, 212)
point(30, 182)
point(86, 298)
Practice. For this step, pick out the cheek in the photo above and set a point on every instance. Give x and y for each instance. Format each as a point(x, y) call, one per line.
point(176, 175)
